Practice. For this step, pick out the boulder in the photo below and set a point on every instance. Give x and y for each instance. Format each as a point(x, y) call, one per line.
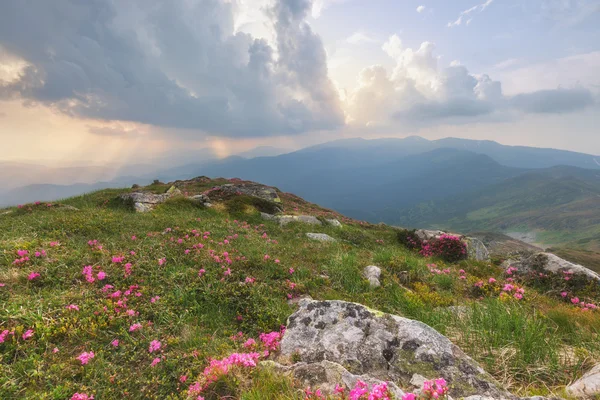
point(267, 216)
point(146, 201)
point(588, 385)
point(201, 199)
point(305, 219)
point(334, 222)
point(252, 189)
point(380, 346)
point(322, 237)
point(476, 250)
point(372, 273)
point(550, 263)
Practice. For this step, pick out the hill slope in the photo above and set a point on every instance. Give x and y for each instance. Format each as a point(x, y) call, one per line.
point(560, 204)
point(107, 302)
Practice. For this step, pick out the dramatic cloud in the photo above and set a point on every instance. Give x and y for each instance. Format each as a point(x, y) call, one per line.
point(418, 91)
point(466, 17)
point(175, 64)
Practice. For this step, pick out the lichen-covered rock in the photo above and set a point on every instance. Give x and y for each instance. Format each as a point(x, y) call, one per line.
point(326, 375)
point(321, 237)
point(588, 385)
point(550, 263)
point(372, 273)
point(382, 346)
point(305, 219)
point(201, 199)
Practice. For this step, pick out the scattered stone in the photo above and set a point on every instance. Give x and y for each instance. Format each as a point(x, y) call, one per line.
point(334, 222)
point(305, 219)
point(372, 273)
point(588, 385)
point(550, 263)
point(201, 199)
point(380, 346)
point(268, 217)
point(322, 237)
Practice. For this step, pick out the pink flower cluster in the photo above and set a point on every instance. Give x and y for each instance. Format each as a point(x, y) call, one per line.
point(360, 391)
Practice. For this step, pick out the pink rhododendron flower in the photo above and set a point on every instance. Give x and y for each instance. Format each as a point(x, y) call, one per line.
point(85, 357)
point(575, 300)
point(492, 280)
point(154, 346)
point(72, 307)
point(82, 396)
point(135, 327)
point(115, 343)
point(154, 362)
point(101, 275)
point(33, 275)
point(28, 334)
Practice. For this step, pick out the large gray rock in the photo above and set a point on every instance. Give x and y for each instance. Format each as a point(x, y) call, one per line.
point(321, 237)
point(588, 385)
point(146, 201)
point(550, 263)
point(372, 273)
point(381, 346)
point(334, 222)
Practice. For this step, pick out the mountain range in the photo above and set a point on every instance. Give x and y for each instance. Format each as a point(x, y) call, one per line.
point(549, 195)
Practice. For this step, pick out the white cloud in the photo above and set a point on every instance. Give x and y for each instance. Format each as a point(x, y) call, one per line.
point(465, 14)
point(420, 9)
point(319, 5)
point(360, 37)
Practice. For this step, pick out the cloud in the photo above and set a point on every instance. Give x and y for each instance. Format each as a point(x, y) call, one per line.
point(420, 9)
point(360, 37)
point(175, 64)
point(553, 101)
point(319, 5)
point(465, 16)
point(420, 92)
point(114, 131)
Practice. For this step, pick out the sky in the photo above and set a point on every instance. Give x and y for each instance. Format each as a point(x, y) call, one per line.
point(101, 81)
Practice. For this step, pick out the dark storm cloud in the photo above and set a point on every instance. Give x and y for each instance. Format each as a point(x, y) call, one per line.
point(174, 64)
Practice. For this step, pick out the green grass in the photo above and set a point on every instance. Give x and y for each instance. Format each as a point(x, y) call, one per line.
point(537, 345)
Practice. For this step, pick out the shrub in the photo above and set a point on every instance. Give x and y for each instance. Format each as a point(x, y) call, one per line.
point(448, 247)
point(409, 238)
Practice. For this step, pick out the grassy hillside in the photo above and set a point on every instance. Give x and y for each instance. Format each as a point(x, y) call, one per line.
point(156, 296)
point(561, 204)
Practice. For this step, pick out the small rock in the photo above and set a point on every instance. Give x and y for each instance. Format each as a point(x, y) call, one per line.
point(372, 273)
point(588, 385)
point(334, 222)
point(305, 219)
point(267, 217)
point(322, 237)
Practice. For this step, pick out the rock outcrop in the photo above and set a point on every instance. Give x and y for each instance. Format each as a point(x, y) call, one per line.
point(305, 219)
point(550, 263)
point(372, 273)
point(252, 189)
point(381, 347)
point(321, 237)
point(588, 386)
point(146, 201)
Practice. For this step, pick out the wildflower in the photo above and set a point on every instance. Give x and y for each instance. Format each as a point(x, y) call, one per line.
point(154, 346)
point(277, 261)
point(409, 396)
point(72, 307)
point(575, 300)
point(28, 334)
point(55, 350)
point(201, 272)
point(182, 378)
point(161, 261)
point(82, 396)
point(518, 296)
point(154, 362)
point(101, 275)
point(249, 343)
point(478, 284)
point(563, 294)
point(115, 343)
point(135, 327)
point(291, 271)
point(491, 280)
point(33, 276)
point(3, 335)
point(154, 299)
point(85, 357)
point(227, 272)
